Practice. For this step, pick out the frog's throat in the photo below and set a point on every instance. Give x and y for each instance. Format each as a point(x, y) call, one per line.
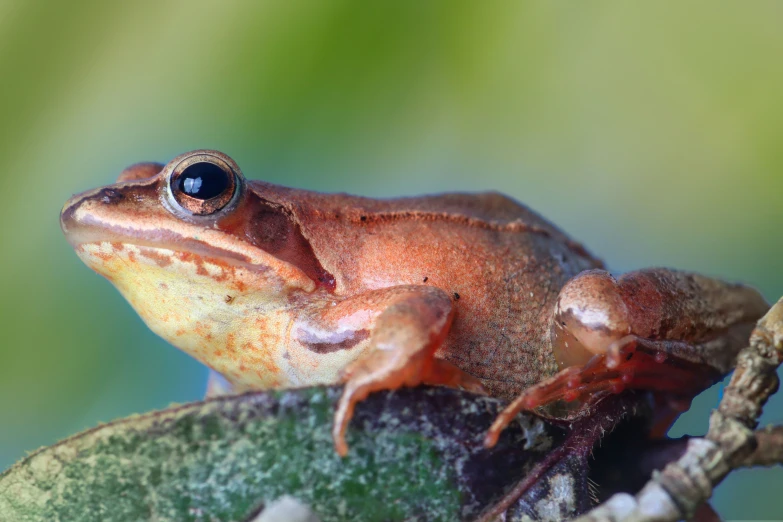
point(203, 306)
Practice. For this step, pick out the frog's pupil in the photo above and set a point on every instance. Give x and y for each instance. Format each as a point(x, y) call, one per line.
point(203, 181)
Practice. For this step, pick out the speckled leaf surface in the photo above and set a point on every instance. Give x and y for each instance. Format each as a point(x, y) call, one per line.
point(415, 454)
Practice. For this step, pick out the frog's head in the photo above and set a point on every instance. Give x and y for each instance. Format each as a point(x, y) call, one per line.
point(191, 245)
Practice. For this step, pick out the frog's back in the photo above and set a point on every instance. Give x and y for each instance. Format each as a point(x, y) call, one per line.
point(502, 263)
point(343, 228)
point(489, 207)
point(315, 210)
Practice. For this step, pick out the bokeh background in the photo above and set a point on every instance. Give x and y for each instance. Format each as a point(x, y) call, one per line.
point(651, 133)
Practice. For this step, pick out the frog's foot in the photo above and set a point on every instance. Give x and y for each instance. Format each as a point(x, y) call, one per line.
point(630, 363)
point(401, 351)
point(365, 381)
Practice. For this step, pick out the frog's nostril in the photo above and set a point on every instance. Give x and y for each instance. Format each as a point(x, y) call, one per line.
point(71, 215)
point(109, 195)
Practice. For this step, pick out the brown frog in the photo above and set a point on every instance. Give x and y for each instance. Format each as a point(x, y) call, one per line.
point(276, 287)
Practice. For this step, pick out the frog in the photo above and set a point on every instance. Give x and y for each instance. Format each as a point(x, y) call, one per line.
point(274, 287)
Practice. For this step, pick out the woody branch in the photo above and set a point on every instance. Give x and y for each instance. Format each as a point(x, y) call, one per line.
point(676, 492)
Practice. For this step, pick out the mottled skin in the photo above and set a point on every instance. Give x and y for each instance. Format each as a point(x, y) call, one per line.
point(280, 287)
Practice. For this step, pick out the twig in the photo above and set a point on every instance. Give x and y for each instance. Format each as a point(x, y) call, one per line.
point(676, 492)
point(769, 448)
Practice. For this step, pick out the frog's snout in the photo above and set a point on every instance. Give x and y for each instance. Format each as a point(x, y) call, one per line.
point(68, 219)
point(73, 214)
point(138, 176)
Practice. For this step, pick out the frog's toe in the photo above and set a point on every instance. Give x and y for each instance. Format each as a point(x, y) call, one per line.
point(541, 394)
point(354, 392)
point(342, 418)
point(444, 373)
point(473, 385)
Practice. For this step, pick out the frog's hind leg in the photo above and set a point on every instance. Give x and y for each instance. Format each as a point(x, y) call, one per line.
point(412, 324)
point(673, 333)
point(633, 363)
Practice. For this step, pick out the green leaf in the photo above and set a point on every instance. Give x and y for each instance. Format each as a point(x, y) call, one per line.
point(415, 454)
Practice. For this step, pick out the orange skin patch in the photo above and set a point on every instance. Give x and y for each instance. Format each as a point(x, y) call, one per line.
point(279, 287)
point(161, 260)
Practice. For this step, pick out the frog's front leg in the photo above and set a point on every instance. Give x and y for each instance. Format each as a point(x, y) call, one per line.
point(407, 324)
point(674, 333)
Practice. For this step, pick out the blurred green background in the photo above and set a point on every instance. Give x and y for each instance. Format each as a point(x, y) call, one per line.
point(652, 134)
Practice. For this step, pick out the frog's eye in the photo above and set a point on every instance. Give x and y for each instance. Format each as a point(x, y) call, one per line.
point(203, 184)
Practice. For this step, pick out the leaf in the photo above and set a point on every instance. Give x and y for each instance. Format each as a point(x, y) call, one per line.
point(415, 454)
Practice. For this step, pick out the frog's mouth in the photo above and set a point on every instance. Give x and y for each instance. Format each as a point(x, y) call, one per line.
point(99, 224)
point(87, 226)
point(166, 243)
point(153, 277)
point(132, 214)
